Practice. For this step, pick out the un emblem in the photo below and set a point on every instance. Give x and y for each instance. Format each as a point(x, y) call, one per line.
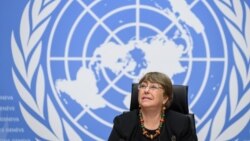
point(97, 49)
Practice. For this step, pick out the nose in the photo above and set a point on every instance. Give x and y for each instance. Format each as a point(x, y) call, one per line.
point(147, 89)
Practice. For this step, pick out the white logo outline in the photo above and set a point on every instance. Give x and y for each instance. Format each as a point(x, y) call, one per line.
point(29, 74)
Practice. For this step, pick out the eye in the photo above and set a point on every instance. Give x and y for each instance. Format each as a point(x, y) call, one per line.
point(142, 86)
point(153, 87)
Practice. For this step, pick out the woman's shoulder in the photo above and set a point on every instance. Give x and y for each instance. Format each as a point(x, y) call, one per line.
point(174, 114)
point(176, 118)
point(125, 123)
point(127, 119)
point(180, 125)
point(127, 116)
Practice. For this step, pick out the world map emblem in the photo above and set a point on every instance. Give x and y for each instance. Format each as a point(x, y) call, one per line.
point(94, 55)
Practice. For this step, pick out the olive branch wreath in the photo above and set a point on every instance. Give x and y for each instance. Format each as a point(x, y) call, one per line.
point(27, 69)
point(240, 31)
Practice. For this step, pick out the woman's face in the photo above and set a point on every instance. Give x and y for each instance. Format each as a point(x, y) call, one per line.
point(151, 95)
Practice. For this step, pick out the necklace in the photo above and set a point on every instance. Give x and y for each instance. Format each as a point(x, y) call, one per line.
point(157, 131)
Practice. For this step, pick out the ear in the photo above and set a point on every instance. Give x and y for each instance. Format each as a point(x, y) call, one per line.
point(165, 100)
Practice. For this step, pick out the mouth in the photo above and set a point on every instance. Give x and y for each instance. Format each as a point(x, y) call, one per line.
point(146, 98)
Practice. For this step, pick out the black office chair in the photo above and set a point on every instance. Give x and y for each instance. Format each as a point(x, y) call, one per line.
point(179, 104)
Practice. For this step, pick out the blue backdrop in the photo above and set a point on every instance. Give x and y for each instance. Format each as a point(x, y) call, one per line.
point(67, 67)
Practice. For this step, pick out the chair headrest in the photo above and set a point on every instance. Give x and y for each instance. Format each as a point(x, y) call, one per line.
point(180, 98)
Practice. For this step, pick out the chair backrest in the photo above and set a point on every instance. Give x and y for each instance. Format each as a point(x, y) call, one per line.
point(180, 98)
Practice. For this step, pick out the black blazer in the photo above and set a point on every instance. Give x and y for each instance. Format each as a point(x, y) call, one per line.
point(177, 127)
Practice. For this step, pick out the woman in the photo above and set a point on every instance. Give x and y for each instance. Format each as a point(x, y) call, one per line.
point(153, 121)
